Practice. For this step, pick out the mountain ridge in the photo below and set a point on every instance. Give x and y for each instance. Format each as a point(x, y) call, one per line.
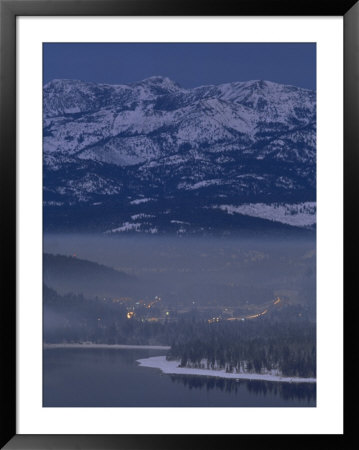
point(243, 142)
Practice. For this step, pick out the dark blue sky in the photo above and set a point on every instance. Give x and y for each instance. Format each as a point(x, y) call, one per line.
point(188, 64)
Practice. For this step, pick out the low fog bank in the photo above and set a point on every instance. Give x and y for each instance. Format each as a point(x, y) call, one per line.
point(201, 271)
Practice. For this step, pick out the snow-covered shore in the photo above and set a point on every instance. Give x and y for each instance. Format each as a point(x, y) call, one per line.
point(172, 367)
point(112, 346)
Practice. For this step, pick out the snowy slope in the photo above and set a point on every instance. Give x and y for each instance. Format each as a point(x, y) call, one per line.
point(244, 143)
point(299, 215)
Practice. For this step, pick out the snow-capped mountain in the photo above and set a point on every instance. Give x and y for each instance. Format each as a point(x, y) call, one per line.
point(170, 157)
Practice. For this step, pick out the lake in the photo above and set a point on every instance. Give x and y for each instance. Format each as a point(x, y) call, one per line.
point(93, 377)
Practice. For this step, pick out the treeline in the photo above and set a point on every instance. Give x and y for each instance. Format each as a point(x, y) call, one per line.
point(72, 318)
point(253, 346)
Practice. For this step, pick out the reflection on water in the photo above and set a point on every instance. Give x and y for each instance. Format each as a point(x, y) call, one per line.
point(287, 391)
point(113, 378)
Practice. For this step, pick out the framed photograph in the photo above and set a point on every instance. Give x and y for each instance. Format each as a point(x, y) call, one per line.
point(173, 180)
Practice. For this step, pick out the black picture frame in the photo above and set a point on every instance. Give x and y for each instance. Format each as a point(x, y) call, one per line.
point(9, 10)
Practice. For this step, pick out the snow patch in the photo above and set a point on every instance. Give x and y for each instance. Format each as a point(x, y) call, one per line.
point(180, 222)
point(53, 203)
point(199, 185)
point(297, 214)
point(127, 226)
point(141, 216)
point(138, 201)
point(153, 230)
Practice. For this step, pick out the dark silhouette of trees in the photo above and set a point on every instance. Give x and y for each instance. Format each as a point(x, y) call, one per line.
point(259, 345)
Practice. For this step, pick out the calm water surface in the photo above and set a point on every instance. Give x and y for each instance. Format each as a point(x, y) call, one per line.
point(113, 378)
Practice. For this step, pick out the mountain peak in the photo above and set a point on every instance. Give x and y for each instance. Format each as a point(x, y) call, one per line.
point(160, 82)
point(158, 79)
point(152, 146)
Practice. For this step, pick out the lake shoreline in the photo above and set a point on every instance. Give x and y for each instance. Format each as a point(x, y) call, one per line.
point(105, 346)
point(172, 367)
